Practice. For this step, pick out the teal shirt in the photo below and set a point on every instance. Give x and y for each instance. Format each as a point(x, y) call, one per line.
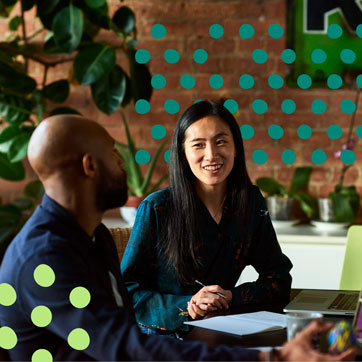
point(160, 301)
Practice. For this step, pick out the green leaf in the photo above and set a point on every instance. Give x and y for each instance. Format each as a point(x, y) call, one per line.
point(125, 19)
point(271, 186)
point(57, 91)
point(128, 95)
point(5, 10)
point(95, 3)
point(23, 204)
point(15, 109)
point(50, 47)
point(27, 4)
point(34, 190)
point(8, 133)
point(342, 208)
point(300, 178)
point(19, 147)
point(9, 2)
point(63, 110)
point(98, 16)
point(94, 62)
point(108, 92)
point(68, 28)
point(14, 23)
point(46, 6)
point(307, 204)
point(11, 171)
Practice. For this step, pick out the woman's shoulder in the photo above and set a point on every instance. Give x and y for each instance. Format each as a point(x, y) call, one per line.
point(159, 198)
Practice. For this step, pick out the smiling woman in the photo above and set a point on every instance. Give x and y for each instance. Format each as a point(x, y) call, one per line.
point(207, 226)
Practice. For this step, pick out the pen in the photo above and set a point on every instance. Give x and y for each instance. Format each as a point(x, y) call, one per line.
point(203, 285)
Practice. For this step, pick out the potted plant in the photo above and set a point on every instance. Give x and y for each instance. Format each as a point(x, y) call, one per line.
point(280, 198)
point(139, 186)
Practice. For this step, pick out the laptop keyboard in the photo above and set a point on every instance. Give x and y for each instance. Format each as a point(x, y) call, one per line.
point(344, 302)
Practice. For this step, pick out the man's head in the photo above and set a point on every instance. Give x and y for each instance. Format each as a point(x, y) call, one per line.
point(72, 153)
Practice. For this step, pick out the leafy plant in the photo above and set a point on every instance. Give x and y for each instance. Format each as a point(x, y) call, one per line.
point(137, 184)
point(299, 182)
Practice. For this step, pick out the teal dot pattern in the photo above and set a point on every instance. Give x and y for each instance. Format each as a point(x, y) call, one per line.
point(158, 81)
point(347, 106)
point(288, 157)
point(359, 131)
point(319, 106)
point(171, 106)
point(275, 132)
point(216, 31)
point(142, 157)
point(142, 56)
point(348, 56)
point(319, 157)
point(200, 56)
point(247, 132)
point(304, 81)
point(348, 157)
point(359, 80)
point(359, 30)
point(231, 105)
point(187, 81)
point(275, 31)
point(334, 132)
point(216, 81)
point(158, 31)
point(167, 155)
point(334, 81)
point(288, 56)
point(319, 56)
point(246, 31)
point(288, 106)
point(275, 81)
point(259, 106)
point(158, 132)
point(246, 81)
point(260, 56)
point(304, 131)
point(171, 56)
point(260, 157)
point(142, 106)
point(334, 31)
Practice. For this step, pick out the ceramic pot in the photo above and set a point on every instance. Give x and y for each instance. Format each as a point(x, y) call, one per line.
point(129, 211)
point(279, 207)
point(325, 210)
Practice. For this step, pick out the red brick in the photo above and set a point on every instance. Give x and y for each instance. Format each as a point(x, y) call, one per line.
point(275, 9)
point(215, 10)
point(249, 9)
point(214, 47)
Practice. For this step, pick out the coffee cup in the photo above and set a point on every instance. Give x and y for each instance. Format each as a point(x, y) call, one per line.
point(296, 321)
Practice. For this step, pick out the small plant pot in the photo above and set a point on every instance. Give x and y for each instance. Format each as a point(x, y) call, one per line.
point(279, 207)
point(325, 210)
point(129, 211)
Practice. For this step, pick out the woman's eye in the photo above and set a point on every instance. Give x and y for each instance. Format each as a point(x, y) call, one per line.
point(197, 145)
point(220, 142)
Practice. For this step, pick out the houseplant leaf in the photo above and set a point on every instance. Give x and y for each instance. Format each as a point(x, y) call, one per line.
point(63, 110)
point(94, 62)
point(50, 47)
point(307, 204)
point(125, 19)
point(57, 91)
point(68, 28)
point(23, 203)
point(95, 3)
point(271, 186)
point(11, 171)
point(342, 209)
point(109, 91)
point(27, 4)
point(8, 133)
point(98, 16)
point(300, 179)
point(19, 147)
point(14, 23)
point(15, 109)
point(46, 6)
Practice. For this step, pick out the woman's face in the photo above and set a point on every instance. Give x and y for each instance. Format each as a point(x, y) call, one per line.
point(210, 150)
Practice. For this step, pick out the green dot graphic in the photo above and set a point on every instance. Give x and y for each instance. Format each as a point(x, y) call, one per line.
point(187, 81)
point(246, 31)
point(246, 81)
point(198, 100)
point(142, 106)
point(142, 56)
point(79, 297)
point(78, 339)
point(166, 156)
point(334, 31)
point(288, 106)
point(158, 81)
point(275, 81)
point(216, 81)
point(259, 106)
point(347, 106)
point(171, 106)
point(7, 294)
point(171, 56)
point(260, 56)
point(275, 31)
point(8, 338)
point(288, 157)
point(42, 355)
point(288, 56)
point(319, 157)
point(231, 105)
point(319, 56)
point(348, 157)
point(200, 56)
point(41, 316)
point(158, 132)
point(142, 157)
point(304, 131)
point(44, 275)
point(334, 81)
point(334, 132)
point(359, 131)
point(260, 157)
point(216, 31)
point(359, 30)
point(275, 132)
point(359, 80)
point(304, 81)
point(319, 106)
point(158, 31)
point(348, 56)
point(247, 132)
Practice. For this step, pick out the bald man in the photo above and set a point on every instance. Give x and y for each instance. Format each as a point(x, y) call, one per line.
point(64, 253)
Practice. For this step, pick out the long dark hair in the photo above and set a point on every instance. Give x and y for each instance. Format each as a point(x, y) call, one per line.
point(180, 232)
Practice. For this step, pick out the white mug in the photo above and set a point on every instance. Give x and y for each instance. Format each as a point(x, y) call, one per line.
point(296, 321)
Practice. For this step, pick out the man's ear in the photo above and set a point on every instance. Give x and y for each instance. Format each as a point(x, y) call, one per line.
point(89, 165)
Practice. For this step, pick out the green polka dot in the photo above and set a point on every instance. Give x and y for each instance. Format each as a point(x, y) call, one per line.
point(142, 157)
point(78, 339)
point(304, 131)
point(142, 56)
point(216, 81)
point(231, 105)
point(259, 106)
point(167, 155)
point(247, 132)
point(158, 31)
point(348, 157)
point(198, 100)
point(8, 338)
point(359, 30)
point(334, 132)
point(158, 81)
point(200, 56)
point(359, 131)
point(319, 157)
point(216, 31)
point(246, 31)
point(275, 132)
point(142, 106)
point(41, 316)
point(334, 81)
point(288, 106)
point(158, 132)
point(275, 81)
point(319, 56)
point(44, 275)
point(246, 81)
point(275, 31)
point(347, 106)
point(42, 355)
point(7, 294)
point(348, 56)
point(319, 106)
point(359, 80)
point(171, 56)
point(334, 31)
point(288, 56)
point(171, 106)
point(288, 157)
point(260, 157)
point(260, 56)
point(79, 297)
point(187, 81)
point(304, 81)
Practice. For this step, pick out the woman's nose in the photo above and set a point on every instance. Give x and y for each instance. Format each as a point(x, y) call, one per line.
point(210, 152)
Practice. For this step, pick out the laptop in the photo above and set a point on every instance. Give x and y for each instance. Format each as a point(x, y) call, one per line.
point(357, 321)
point(328, 302)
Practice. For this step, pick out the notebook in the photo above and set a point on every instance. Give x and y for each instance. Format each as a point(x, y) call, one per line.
point(330, 302)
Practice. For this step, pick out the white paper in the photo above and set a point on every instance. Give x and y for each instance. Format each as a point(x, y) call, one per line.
point(243, 324)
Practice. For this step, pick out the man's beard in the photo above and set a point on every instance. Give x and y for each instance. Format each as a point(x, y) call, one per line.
point(112, 190)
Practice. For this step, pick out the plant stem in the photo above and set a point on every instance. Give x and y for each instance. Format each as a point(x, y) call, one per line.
point(24, 34)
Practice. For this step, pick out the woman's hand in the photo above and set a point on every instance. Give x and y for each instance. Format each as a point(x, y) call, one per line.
point(206, 300)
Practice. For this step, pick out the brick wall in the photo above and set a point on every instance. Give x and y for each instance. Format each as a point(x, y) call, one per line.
point(187, 23)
